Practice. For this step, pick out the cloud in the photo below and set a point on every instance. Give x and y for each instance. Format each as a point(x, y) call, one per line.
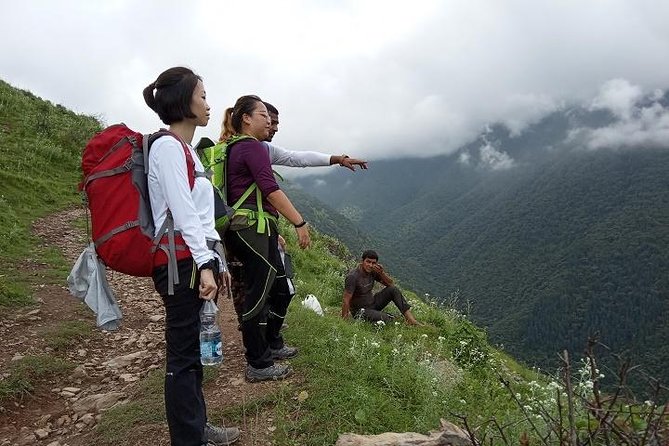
point(493, 159)
point(619, 96)
point(642, 121)
point(374, 79)
point(464, 158)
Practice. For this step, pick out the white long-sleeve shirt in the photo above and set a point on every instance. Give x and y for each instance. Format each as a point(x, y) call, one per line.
point(293, 158)
point(193, 210)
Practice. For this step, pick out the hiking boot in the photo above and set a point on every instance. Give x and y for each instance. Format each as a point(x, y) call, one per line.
point(220, 436)
point(284, 352)
point(272, 373)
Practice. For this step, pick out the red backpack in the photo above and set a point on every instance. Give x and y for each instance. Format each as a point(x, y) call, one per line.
point(115, 186)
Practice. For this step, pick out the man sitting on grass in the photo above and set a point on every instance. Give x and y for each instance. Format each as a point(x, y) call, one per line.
point(358, 297)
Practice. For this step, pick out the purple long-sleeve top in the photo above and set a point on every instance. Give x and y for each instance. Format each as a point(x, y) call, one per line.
point(248, 162)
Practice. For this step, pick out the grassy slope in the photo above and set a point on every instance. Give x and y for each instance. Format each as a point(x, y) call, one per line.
point(40, 151)
point(358, 377)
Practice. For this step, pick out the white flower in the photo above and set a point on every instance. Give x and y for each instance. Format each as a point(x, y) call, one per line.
point(375, 344)
point(441, 338)
point(423, 335)
point(380, 323)
point(649, 403)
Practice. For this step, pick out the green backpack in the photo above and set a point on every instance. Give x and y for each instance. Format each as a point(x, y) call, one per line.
point(213, 157)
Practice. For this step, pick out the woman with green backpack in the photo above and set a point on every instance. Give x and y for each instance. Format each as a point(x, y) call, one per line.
point(253, 236)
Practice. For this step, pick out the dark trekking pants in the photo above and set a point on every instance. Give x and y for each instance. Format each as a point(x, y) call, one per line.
point(259, 255)
point(279, 299)
point(184, 401)
point(381, 301)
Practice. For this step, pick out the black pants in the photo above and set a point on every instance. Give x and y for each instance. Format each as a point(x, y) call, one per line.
point(381, 301)
point(184, 401)
point(259, 255)
point(279, 299)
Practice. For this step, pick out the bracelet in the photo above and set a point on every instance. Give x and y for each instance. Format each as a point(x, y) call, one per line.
point(299, 225)
point(343, 157)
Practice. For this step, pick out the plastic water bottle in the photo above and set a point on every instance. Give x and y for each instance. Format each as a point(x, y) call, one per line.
point(211, 342)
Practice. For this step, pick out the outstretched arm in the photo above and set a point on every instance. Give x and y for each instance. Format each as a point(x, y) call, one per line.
point(302, 158)
point(348, 162)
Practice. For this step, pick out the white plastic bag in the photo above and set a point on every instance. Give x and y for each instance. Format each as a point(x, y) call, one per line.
point(312, 303)
point(88, 282)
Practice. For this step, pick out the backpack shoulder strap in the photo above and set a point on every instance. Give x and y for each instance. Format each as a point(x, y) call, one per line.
point(190, 162)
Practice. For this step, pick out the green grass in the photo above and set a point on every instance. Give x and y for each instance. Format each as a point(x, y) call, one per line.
point(146, 406)
point(40, 152)
point(351, 376)
point(25, 372)
point(67, 333)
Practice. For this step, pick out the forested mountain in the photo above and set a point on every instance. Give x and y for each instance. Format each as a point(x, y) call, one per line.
point(551, 234)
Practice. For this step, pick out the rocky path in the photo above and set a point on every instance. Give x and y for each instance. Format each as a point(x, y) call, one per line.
point(109, 365)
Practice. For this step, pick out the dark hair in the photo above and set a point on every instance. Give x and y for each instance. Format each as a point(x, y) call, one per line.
point(173, 94)
point(232, 120)
point(370, 254)
point(271, 108)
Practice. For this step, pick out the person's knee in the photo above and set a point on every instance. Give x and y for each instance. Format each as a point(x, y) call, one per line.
point(394, 290)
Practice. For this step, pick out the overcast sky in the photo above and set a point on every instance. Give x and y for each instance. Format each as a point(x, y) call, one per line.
point(376, 79)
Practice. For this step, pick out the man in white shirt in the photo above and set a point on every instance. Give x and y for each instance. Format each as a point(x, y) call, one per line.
point(281, 290)
point(284, 157)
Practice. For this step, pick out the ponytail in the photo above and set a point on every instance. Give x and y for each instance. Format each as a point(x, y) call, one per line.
point(232, 121)
point(149, 98)
point(227, 129)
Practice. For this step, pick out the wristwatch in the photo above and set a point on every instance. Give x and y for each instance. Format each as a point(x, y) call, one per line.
point(209, 264)
point(299, 225)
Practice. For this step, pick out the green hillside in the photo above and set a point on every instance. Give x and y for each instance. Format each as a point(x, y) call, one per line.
point(374, 378)
point(40, 152)
point(569, 242)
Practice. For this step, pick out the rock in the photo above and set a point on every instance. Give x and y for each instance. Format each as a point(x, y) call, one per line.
point(123, 361)
point(79, 372)
point(17, 357)
point(449, 435)
point(88, 418)
point(54, 443)
point(27, 439)
point(63, 420)
point(156, 318)
point(43, 420)
point(97, 403)
point(71, 389)
point(129, 378)
point(42, 433)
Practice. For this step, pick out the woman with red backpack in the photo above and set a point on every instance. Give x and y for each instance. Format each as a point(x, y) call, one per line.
point(179, 193)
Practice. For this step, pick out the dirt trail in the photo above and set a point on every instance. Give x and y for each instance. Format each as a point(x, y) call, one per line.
point(109, 364)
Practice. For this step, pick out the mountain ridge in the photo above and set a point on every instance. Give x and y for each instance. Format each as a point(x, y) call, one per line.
point(549, 236)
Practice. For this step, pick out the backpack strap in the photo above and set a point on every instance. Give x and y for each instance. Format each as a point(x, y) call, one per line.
point(167, 228)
